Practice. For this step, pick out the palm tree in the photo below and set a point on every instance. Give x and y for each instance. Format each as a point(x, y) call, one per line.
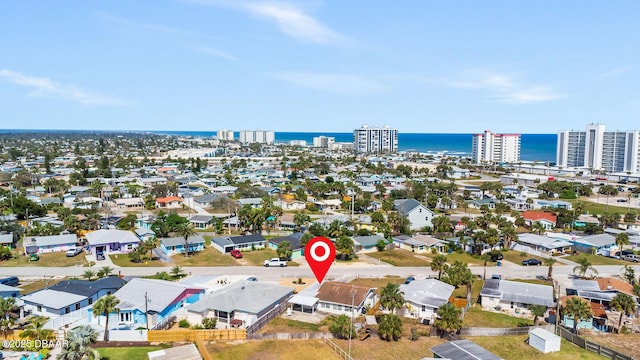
point(439, 263)
point(467, 279)
point(441, 224)
point(186, 231)
point(177, 272)
point(300, 219)
point(105, 271)
point(549, 262)
point(391, 297)
point(78, 341)
point(36, 331)
point(538, 227)
point(508, 234)
point(625, 304)
point(284, 250)
point(622, 239)
point(6, 307)
point(390, 327)
point(629, 274)
point(344, 245)
point(537, 311)
point(579, 309)
point(583, 266)
point(89, 274)
point(341, 327)
point(448, 319)
point(105, 306)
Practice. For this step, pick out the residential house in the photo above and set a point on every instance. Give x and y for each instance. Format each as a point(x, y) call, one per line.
point(169, 202)
point(542, 244)
point(112, 241)
point(7, 291)
point(459, 173)
point(129, 203)
point(240, 304)
point(419, 215)
point(367, 243)
point(225, 244)
point(548, 220)
point(149, 302)
point(423, 297)
point(601, 290)
point(226, 189)
point(290, 204)
point(514, 298)
point(175, 245)
point(206, 200)
point(145, 234)
point(293, 240)
point(595, 243)
point(420, 243)
point(253, 202)
point(7, 240)
point(328, 204)
point(201, 221)
point(342, 298)
point(556, 204)
point(49, 244)
point(285, 222)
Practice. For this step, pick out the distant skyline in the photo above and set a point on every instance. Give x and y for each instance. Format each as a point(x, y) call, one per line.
point(320, 66)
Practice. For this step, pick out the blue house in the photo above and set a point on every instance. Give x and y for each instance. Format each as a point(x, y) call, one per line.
point(7, 291)
point(175, 245)
point(293, 240)
point(145, 234)
point(149, 302)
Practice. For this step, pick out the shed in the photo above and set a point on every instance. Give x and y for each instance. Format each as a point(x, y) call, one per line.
point(544, 341)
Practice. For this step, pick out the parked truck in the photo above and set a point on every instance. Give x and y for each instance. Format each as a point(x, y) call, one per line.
point(275, 262)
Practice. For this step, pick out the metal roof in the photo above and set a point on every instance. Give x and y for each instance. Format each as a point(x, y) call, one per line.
point(160, 293)
point(429, 292)
point(104, 236)
point(520, 292)
point(52, 298)
point(463, 350)
point(246, 296)
point(174, 241)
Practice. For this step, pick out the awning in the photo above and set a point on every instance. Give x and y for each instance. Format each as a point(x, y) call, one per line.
point(303, 300)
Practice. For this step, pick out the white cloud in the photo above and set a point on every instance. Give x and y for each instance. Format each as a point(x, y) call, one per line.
point(290, 19)
point(334, 83)
point(528, 95)
point(214, 52)
point(44, 87)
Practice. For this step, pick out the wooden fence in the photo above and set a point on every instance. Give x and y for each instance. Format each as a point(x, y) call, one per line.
point(10, 335)
point(193, 335)
point(591, 346)
point(289, 336)
point(479, 331)
point(343, 354)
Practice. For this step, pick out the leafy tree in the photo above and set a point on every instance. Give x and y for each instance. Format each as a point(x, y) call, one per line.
point(442, 224)
point(105, 306)
point(583, 266)
point(579, 309)
point(391, 297)
point(537, 311)
point(209, 323)
point(381, 245)
point(390, 327)
point(284, 250)
point(128, 222)
point(538, 227)
point(185, 231)
point(629, 274)
point(36, 331)
point(625, 304)
point(341, 327)
point(344, 246)
point(549, 262)
point(448, 319)
point(439, 264)
point(78, 341)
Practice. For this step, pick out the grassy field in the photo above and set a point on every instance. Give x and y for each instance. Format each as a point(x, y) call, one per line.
point(50, 259)
point(399, 257)
point(378, 283)
point(292, 326)
point(598, 260)
point(476, 317)
point(534, 281)
point(374, 348)
point(272, 349)
point(476, 287)
point(595, 208)
point(127, 352)
point(257, 257)
point(516, 256)
point(28, 287)
point(628, 344)
point(516, 348)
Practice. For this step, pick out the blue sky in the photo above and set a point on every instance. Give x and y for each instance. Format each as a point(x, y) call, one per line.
point(419, 66)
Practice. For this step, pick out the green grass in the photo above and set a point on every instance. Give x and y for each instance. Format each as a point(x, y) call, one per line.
point(465, 258)
point(271, 349)
point(378, 283)
point(597, 259)
point(476, 287)
point(113, 353)
point(37, 285)
point(534, 281)
point(257, 257)
point(516, 257)
point(597, 209)
point(207, 257)
point(399, 257)
point(516, 348)
point(477, 317)
point(287, 325)
point(49, 260)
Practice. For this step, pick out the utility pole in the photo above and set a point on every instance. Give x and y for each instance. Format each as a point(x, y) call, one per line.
point(353, 296)
point(146, 309)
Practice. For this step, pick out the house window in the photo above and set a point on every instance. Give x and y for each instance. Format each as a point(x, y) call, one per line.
point(125, 317)
point(67, 310)
point(420, 210)
point(426, 218)
point(39, 307)
point(424, 308)
point(90, 300)
point(78, 306)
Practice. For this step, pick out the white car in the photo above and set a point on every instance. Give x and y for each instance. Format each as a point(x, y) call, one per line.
point(74, 251)
point(275, 262)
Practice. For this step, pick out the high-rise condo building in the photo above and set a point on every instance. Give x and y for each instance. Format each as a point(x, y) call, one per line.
point(599, 149)
point(323, 141)
point(225, 135)
point(257, 136)
point(375, 140)
point(495, 148)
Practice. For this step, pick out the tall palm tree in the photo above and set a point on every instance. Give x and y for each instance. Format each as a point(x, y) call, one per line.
point(284, 250)
point(78, 341)
point(105, 306)
point(625, 304)
point(538, 227)
point(300, 219)
point(105, 271)
point(509, 234)
point(622, 239)
point(341, 327)
point(185, 231)
point(391, 297)
point(579, 309)
point(583, 266)
point(6, 307)
point(439, 264)
point(36, 331)
point(177, 272)
point(448, 319)
point(441, 224)
point(390, 327)
point(549, 262)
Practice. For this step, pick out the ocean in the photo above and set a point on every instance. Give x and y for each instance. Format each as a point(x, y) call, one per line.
point(534, 147)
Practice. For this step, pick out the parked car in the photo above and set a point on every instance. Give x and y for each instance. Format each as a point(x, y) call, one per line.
point(236, 253)
point(409, 279)
point(275, 262)
point(496, 277)
point(531, 262)
point(74, 251)
point(621, 200)
point(252, 278)
point(627, 252)
point(631, 257)
point(100, 255)
point(10, 281)
point(34, 257)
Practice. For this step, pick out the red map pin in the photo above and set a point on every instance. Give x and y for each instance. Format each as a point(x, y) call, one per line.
point(320, 254)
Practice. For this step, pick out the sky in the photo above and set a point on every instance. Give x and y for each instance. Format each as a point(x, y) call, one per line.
point(419, 66)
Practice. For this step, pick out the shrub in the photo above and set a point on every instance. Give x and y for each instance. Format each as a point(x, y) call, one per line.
point(209, 323)
point(184, 324)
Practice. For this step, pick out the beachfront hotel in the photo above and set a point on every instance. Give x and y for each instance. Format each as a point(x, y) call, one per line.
point(599, 149)
point(257, 136)
point(367, 140)
point(225, 135)
point(489, 147)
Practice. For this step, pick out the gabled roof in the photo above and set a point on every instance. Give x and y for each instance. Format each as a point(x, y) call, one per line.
point(598, 240)
point(426, 240)
point(6, 238)
point(429, 292)
point(51, 240)
point(168, 199)
point(405, 206)
point(246, 239)
point(540, 215)
point(87, 288)
point(615, 284)
point(342, 293)
point(247, 296)
point(293, 239)
point(201, 218)
point(160, 293)
point(52, 298)
point(174, 241)
point(108, 236)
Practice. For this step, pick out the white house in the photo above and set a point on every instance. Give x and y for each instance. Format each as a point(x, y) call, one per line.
point(514, 297)
point(341, 298)
point(423, 297)
point(419, 215)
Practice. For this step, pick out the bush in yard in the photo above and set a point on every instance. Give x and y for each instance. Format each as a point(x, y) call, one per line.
point(209, 323)
point(184, 324)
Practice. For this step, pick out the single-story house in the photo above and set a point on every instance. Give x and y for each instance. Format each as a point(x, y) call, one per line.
point(423, 297)
point(601, 290)
point(419, 215)
point(290, 204)
point(206, 200)
point(514, 298)
point(247, 301)
point(149, 301)
point(225, 244)
point(7, 240)
point(557, 204)
point(129, 203)
point(7, 291)
point(594, 243)
point(462, 350)
point(337, 298)
point(367, 243)
point(48, 244)
point(112, 241)
point(201, 221)
point(293, 240)
point(175, 245)
point(548, 220)
point(286, 222)
point(253, 202)
point(544, 243)
point(169, 202)
point(145, 234)
point(420, 243)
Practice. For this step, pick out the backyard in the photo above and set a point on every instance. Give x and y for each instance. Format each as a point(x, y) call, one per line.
point(118, 353)
point(476, 317)
point(272, 349)
point(516, 348)
point(625, 343)
point(516, 257)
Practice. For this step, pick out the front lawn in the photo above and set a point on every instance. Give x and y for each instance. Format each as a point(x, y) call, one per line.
point(476, 317)
point(597, 259)
point(516, 348)
point(399, 257)
point(597, 209)
point(257, 257)
point(516, 257)
point(31, 286)
point(118, 353)
point(54, 259)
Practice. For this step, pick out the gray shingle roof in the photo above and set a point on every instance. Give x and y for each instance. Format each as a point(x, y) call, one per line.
point(248, 296)
point(404, 206)
point(87, 288)
point(371, 240)
point(198, 239)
